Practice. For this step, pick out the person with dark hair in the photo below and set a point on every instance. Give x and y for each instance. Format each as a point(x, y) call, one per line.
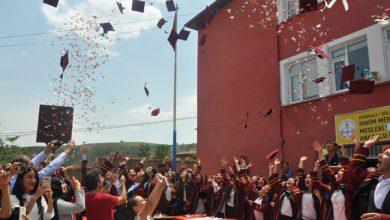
point(31, 194)
point(5, 210)
point(286, 171)
point(64, 208)
point(143, 208)
point(36, 161)
point(100, 205)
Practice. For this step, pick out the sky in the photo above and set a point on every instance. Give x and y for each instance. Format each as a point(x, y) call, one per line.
point(138, 52)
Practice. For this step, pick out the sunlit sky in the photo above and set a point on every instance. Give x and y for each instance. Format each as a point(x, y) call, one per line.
point(27, 71)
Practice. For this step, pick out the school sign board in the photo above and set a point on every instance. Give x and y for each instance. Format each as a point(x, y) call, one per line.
point(363, 124)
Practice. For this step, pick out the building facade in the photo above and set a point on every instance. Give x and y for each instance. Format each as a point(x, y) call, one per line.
point(254, 62)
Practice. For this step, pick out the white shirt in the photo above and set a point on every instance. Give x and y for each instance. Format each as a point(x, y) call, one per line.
point(308, 209)
point(200, 207)
point(34, 214)
point(259, 215)
point(286, 209)
point(230, 201)
point(381, 191)
point(338, 204)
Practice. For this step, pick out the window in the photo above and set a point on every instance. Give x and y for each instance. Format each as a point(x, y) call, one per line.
point(301, 74)
point(387, 49)
point(292, 8)
point(352, 53)
point(289, 8)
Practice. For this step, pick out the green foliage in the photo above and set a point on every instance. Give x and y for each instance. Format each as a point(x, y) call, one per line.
point(162, 150)
point(144, 150)
point(8, 149)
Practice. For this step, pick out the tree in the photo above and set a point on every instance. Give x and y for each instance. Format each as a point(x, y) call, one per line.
point(144, 150)
point(8, 149)
point(161, 150)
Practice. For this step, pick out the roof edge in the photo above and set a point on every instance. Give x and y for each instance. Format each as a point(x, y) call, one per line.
point(216, 6)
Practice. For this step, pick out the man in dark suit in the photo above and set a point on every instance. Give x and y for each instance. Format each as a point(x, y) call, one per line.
point(379, 204)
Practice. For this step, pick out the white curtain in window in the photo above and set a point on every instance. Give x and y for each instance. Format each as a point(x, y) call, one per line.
point(294, 83)
point(310, 89)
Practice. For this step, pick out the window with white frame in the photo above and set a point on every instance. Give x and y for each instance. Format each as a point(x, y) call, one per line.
point(301, 74)
point(387, 48)
point(347, 54)
point(289, 8)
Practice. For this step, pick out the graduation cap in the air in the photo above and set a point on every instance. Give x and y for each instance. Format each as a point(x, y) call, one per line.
point(319, 79)
point(272, 154)
point(170, 5)
point(269, 112)
point(361, 86)
point(53, 3)
point(106, 27)
point(308, 5)
point(64, 61)
point(155, 112)
point(320, 53)
point(172, 39)
point(54, 123)
point(161, 23)
point(183, 35)
point(146, 90)
point(202, 40)
point(348, 74)
point(138, 6)
point(120, 7)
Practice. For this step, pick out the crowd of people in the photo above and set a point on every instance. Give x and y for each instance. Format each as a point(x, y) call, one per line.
point(334, 187)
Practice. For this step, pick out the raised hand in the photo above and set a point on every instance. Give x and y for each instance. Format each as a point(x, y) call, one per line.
point(4, 180)
point(223, 161)
point(303, 158)
point(69, 147)
point(318, 146)
point(355, 141)
point(83, 149)
point(50, 147)
point(76, 183)
point(235, 159)
point(372, 141)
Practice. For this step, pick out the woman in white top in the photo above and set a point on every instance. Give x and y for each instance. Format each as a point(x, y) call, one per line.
point(29, 193)
point(62, 195)
point(143, 209)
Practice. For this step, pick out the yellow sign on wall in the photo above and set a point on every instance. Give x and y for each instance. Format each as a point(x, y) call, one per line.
point(363, 124)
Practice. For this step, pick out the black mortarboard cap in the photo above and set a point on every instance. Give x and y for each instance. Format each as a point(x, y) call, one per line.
point(53, 3)
point(361, 86)
point(183, 35)
point(202, 40)
point(269, 112)
point(106, 27)
point(170, 5)
point(120, 7)
point(320, 79)
point(64, 61)
point(348, 74)
point(146, 90)
point(161, 23)
point(54, 123)
point(138, 6)
point(308, 5)
point(173, 37)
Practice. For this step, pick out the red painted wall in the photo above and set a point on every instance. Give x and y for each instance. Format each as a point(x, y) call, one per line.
point(238, 73)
